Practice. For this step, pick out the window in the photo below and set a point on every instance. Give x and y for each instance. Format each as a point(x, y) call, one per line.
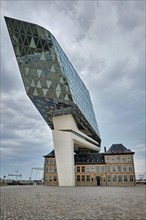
point(55, 169)
point(97, 169)
point(118, 159)
point(107, 160)
point(124, 160)
point(53, 160)
point(109, 178)
point(108, 168)
point(130, 159)
point(114, 178)
point(55, 178)
point(119, 168)
point(50, 169)
point(131, 178)
point(124, 169)
point(50, 161)
point(130, 169)
point(78, 169)
point(119, 178)
point(83, 178)
point(46, 178)
point(50, 177)
point(83, 169)
point(78, 178)
point(47, 161)
point(87, 169)
point(102, 168)
point(88, 178)
point(114, 169)
point(46, 170)
point(113, 159)
point(125, 178)
point(92, 169)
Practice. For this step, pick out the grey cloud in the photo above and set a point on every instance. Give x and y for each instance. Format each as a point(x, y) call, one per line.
point(105, 42)
point(130, 14)
point(19, 114)
point(85, 14)
point(25, 136)
point(10, 80)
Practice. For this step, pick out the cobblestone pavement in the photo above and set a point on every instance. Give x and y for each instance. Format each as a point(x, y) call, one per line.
point(72, 203)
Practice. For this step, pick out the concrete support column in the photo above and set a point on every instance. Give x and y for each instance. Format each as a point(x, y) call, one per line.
point(65, 135)
point(64, 153)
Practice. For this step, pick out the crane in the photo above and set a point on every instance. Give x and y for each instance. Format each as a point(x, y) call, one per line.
point(38, 169)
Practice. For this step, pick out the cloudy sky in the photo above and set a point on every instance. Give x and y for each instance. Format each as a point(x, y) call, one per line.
point(105, 41)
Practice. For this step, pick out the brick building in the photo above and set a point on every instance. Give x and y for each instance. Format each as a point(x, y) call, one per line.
point(114, 167)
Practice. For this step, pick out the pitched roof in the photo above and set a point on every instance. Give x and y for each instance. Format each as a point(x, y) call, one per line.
point(118, 148)
point(51, 154)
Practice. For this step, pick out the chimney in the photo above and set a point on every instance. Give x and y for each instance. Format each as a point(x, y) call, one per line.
point(104, 149)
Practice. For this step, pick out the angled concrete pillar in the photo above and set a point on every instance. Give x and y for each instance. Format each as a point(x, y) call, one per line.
point(65, 135)
point(64, 153)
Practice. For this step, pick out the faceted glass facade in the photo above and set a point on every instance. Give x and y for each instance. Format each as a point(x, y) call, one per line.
point(50, 80)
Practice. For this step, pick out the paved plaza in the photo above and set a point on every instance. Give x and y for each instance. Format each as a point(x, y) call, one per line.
point(72, 203)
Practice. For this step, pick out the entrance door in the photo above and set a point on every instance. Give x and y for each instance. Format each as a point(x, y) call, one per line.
point(98, 180)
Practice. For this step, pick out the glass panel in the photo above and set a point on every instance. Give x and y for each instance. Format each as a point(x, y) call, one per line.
point(83, 178)
point(78, 178)
point(130, 159)
point(114, 169)
point(87, 169)
point(88, 178)
point(124, 160)
point(35, 93)
point(50, 178)
point(119, 178)
point(118, 159)
point(114, 178)
point(119, 168)
point(83, 169)
point(92, 169)
point(45, 91)
point(78, 169)
point(55, 169)
point(130, 169)
point(125, 178)
point(50, 170)
point(55, 178)
point(131, 178)
point(38, 84)
point(32, 43)
point(108, 168)
point(107, 159)
point(124, 169)
point(97, 169)
point(109, 178)
point(103, 170)
point(46, 169)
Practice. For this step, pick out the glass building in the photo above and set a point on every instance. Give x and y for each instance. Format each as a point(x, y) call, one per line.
point(49, 78)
